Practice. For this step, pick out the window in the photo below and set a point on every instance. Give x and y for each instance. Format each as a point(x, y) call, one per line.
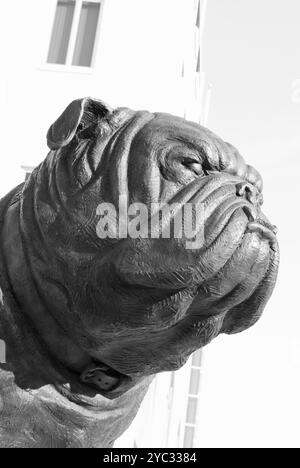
point(74, 33)
point(28, 170)
point(197, 358)
point(193, 400)
point(61, 32)
point(189, 437)
point(194, 382)
point(191, 410)
point(2, 352)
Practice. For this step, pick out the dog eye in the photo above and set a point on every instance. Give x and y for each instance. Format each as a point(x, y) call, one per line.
point(193, 166)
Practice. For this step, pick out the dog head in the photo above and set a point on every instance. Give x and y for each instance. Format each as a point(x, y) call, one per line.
point(142, 303)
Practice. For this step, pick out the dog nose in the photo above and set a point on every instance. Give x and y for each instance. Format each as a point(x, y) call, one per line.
point(250, 192)
point(100, 376)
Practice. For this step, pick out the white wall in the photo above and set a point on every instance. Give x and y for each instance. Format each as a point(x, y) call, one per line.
point(137, 64)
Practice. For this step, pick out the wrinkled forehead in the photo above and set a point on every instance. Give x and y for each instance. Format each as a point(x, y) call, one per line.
point(165, 129)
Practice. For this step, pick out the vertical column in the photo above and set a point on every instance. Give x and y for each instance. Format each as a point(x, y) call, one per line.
point(194, 79)
point(2, 352)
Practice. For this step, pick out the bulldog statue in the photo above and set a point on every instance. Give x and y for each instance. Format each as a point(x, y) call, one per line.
point(88, 319)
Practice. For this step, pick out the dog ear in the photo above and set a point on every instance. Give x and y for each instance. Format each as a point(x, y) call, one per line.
point(64, 128)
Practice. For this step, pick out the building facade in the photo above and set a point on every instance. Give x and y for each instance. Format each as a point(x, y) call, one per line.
point(143, 54)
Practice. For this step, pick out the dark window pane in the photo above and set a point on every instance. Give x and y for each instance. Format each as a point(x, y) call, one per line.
point(188, 437)
point(61, 31)
point(191, 410)
point(194, 382)
point(86, 34)
point(197, 358)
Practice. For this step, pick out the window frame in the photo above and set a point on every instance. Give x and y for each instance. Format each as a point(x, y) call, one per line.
point(68, 67)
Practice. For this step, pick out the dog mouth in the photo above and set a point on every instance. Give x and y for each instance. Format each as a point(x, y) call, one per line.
point(265, 229)
point(225, 204)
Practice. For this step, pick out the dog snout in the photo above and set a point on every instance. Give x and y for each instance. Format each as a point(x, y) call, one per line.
point(250, 193)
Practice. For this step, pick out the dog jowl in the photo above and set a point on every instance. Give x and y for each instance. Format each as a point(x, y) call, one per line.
point(89, 319)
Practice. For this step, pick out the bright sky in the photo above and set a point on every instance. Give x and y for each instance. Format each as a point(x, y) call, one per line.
point(252, 58)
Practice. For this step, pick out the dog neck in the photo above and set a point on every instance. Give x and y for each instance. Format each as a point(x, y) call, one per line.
point(29, 301)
